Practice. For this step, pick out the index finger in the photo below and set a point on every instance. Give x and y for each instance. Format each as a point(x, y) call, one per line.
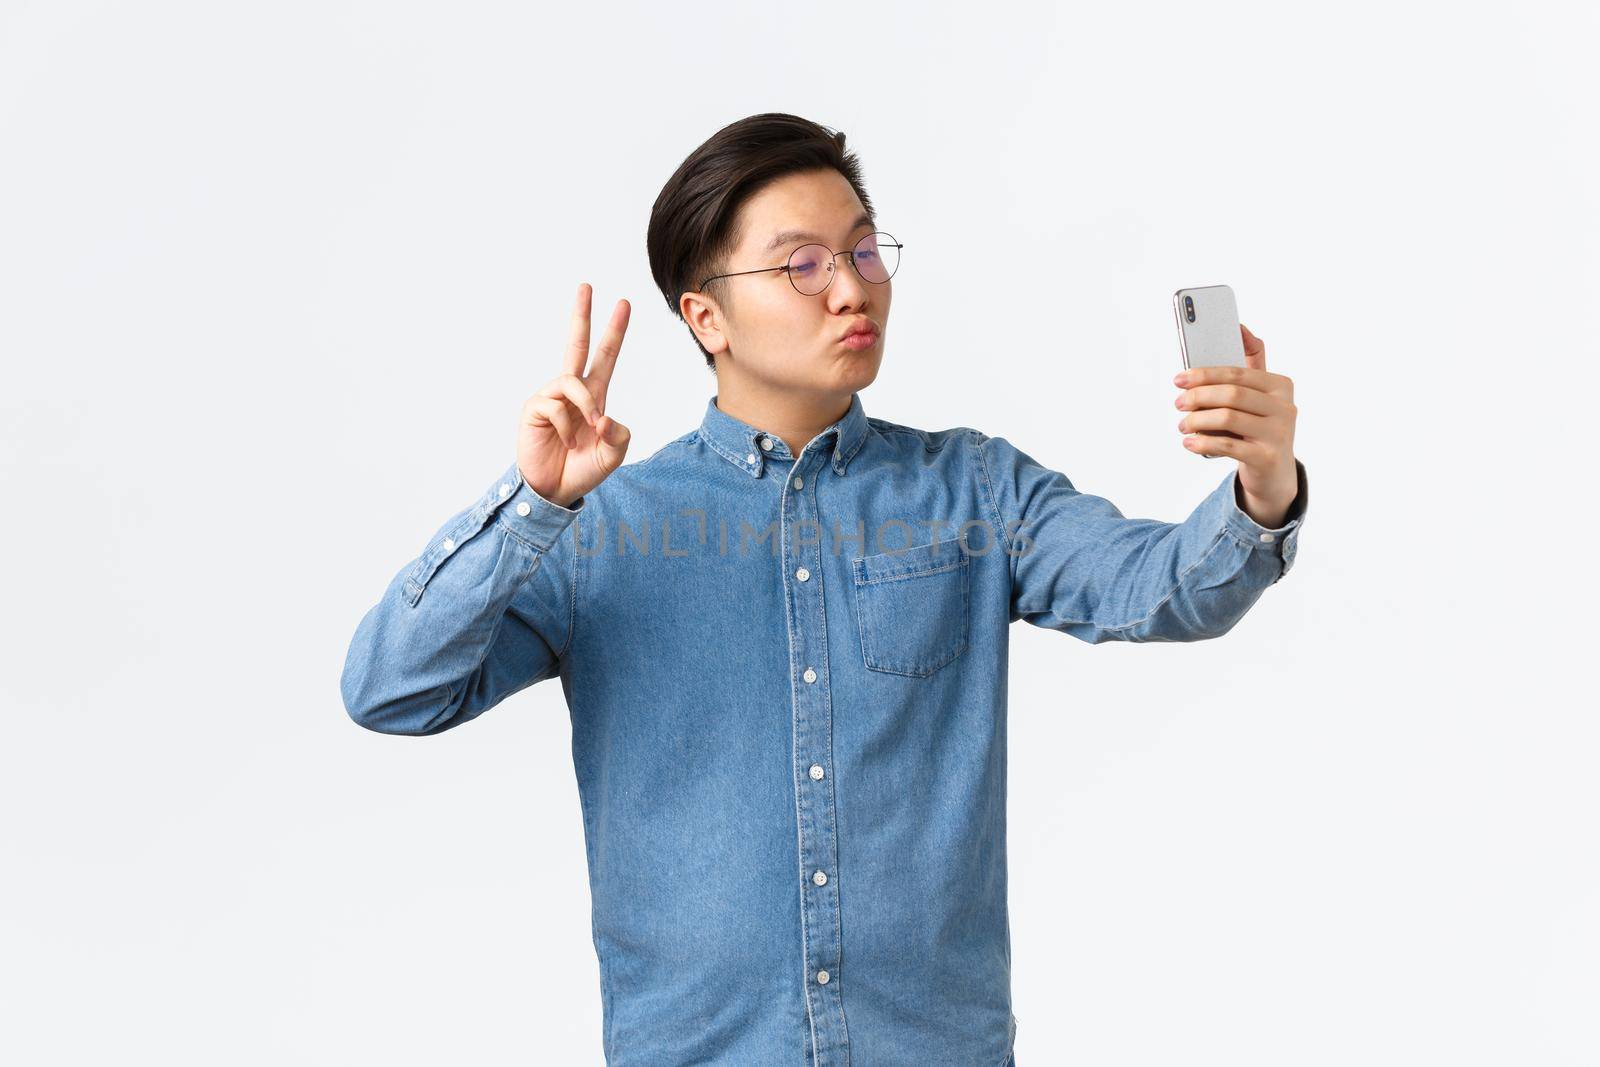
point(1249, 377)
point(578, 344)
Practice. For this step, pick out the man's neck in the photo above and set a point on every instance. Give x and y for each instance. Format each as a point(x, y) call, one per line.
point(796, 418)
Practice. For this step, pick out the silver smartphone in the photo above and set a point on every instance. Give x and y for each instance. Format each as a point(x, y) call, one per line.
point(1208, 327)
point(1208, 332)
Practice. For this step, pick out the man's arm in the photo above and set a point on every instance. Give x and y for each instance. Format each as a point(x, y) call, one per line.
point(485, 611)
point(489, 606)
point(1078, 565)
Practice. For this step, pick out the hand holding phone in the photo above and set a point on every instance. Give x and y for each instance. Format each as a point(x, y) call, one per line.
point(1224, 387)
point(1234, 406)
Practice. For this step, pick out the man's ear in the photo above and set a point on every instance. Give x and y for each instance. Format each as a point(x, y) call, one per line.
point(705, 319)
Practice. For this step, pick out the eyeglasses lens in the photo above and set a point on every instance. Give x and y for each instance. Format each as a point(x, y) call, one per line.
point(876, 255)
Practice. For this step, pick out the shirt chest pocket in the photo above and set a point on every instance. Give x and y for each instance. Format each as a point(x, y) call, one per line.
point(911, 607)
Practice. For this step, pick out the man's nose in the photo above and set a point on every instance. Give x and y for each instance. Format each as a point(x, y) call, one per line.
point(848, 288)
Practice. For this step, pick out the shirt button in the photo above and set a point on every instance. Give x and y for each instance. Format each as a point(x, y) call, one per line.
point(799, 483)
point(821, 878)
point(766, 444)
point(802, 574)
point(1269, 538)
point(822, 977)
point(449, 544)
point(816, 772)
point(505, 491)
point(750, 458)
point(810, 675)
point(523, 508)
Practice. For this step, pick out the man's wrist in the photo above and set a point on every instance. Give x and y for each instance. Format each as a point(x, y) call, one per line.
point(1270, 509)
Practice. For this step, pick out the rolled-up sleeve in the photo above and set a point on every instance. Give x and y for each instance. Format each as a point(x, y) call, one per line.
point(1080, 566)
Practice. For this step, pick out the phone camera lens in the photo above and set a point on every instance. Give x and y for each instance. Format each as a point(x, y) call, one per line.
point(1188, 307)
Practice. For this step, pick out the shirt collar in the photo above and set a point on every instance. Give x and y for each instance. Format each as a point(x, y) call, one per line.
point(749, 447)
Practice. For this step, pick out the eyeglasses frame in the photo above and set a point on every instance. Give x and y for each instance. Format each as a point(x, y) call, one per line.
point(833, 257)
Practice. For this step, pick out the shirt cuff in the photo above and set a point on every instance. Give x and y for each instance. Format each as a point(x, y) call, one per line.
point(1280, 541)
point(535, 520)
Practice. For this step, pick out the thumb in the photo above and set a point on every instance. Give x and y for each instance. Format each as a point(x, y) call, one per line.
point(1255, 350)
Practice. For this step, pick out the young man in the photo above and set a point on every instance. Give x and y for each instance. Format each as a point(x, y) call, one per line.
point(782, 637)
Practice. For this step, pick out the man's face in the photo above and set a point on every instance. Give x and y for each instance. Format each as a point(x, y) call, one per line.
point(770, 332)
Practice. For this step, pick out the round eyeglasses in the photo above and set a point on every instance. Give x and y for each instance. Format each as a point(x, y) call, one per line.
point(811, 267)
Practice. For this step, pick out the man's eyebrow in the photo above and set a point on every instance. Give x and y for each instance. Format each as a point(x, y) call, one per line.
point(806, 235)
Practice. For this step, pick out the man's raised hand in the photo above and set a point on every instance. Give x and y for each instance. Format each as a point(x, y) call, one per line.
point(566, 443)
point(1248, 413)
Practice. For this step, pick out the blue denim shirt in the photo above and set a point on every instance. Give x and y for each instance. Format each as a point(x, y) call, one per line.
point(786, 678)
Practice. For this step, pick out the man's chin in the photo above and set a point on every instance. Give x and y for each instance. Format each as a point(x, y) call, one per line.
point(839, 372)
point(860, 370)
point(872, 354)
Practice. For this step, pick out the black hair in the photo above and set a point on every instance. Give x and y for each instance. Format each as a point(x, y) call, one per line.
point(692, 225)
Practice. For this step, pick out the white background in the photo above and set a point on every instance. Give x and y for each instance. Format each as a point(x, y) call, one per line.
point(276, 278)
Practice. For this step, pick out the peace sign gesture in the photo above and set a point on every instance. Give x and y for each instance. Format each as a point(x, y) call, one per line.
point(566, 443)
